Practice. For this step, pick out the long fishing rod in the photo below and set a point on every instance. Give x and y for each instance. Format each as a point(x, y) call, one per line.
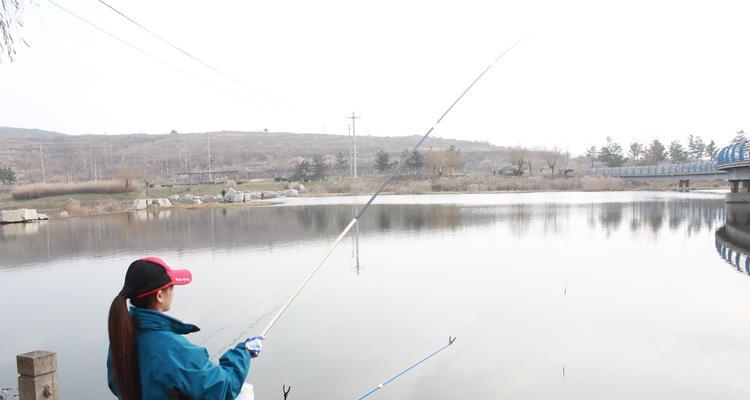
point(379, 190)
point(394, 377)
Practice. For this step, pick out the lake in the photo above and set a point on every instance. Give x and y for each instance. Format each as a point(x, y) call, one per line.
point(551, 295)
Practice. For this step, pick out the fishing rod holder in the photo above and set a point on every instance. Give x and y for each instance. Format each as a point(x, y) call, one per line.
point(286, 390)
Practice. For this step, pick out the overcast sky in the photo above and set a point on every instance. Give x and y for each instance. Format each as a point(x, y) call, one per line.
point(633, 70)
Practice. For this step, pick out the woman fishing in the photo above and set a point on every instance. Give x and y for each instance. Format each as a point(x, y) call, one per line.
point(149, 356)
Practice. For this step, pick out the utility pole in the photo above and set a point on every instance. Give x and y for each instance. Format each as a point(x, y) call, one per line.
point(210, 173)
point(351, 153)
point(354, 144)
point(41, 156)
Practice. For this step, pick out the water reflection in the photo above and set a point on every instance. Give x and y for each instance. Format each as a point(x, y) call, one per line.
point(733, 239)
point(217, 229)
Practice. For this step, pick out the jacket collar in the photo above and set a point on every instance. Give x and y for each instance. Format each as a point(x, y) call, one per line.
point(150, 320)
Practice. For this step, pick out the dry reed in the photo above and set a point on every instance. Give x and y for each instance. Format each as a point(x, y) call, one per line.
point(37, 190)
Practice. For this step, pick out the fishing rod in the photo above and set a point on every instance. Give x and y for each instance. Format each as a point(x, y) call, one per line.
point(379, 190)
point(394, 377)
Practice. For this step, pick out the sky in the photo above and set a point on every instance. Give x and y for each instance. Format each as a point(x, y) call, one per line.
point(635, 70)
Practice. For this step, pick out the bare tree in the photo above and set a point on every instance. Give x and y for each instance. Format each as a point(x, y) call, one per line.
point(11, 23)
point(518, 157)
point(551, 157)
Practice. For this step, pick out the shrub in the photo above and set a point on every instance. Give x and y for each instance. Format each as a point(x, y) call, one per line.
point(37, 190)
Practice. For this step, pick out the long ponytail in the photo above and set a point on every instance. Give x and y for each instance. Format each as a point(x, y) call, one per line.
point(123, 349)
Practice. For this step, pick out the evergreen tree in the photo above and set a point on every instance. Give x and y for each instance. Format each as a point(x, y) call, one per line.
point(7, 176)
point(711, 151)
point(319, 167)
point(342, 163)
point(414, 160)
point(656, 153)
point(677, 153)
point(304, 171)
point(592, 154)
point(382, 161)
point(611, 154)
point(696, 147)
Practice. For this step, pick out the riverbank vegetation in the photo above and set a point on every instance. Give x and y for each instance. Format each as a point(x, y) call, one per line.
point(38, 190)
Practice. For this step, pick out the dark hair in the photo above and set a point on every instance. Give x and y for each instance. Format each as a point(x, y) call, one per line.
point(122, 328)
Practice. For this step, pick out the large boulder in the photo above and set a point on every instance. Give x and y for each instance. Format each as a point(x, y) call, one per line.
point(43, 217)
point(164, 203)
point(234, 197)
point(291, 193)
point(188, 197)
point(174, 197)
point(140, 204)
point(20, 215)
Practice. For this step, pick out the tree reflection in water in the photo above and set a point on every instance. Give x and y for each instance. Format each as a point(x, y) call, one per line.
point(224, 228)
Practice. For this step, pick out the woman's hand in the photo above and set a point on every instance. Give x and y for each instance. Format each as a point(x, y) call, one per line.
point(254, 345)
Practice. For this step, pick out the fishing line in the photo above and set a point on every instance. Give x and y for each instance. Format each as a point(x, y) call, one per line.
point(379, 190)
point(185, 52)
point(144, 52)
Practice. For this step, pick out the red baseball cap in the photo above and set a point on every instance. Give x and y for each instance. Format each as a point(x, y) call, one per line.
point(150, 274)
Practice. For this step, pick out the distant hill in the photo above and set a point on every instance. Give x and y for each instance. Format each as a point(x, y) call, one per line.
point(256, 154)
point(21, 133)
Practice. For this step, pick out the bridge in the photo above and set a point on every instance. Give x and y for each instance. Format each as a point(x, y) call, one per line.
point(732, 164)
point(733, 239)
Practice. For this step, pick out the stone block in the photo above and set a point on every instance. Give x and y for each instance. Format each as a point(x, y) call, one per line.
point(43, 387)
point(43, 217)
point(36, 363)
point(164, 203)
point(29, 214)
point(140, 204)
point(20, 215)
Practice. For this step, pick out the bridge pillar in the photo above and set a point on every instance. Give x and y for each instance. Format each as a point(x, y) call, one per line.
point(740, 191)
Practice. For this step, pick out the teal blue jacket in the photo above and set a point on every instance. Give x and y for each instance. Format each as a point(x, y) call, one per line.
point(172, 367)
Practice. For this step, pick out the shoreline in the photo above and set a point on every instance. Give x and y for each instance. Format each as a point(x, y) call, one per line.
point(272, 203)
point(78, 205)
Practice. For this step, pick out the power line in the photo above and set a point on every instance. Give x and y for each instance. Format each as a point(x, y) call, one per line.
point(183, 51)
point(144, 52)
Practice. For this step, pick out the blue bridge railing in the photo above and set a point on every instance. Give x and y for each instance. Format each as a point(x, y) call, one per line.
point(734, 153)
point(696, 168)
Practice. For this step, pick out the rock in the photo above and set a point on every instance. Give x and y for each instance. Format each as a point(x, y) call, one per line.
point(197, 201)
point(11, 216)
point(140, 204)
point(250, 197)
point(20, 215)
point(43, 217)
point(174, 197)
point(164, 203)
point(291, 193)
point(64, 214)
point(188, 197)
point(301, 188)
point(234, 197)
point(231, 191)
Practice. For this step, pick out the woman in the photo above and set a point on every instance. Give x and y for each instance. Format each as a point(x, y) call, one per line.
point(150, 358)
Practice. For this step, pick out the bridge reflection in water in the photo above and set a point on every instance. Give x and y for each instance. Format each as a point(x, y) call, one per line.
point(733, 239)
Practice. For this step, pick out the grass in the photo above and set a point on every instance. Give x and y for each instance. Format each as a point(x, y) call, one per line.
point(38, 190)
point(94, 203)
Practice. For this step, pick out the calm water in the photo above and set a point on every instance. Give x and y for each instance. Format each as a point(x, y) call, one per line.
point(564, 295)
